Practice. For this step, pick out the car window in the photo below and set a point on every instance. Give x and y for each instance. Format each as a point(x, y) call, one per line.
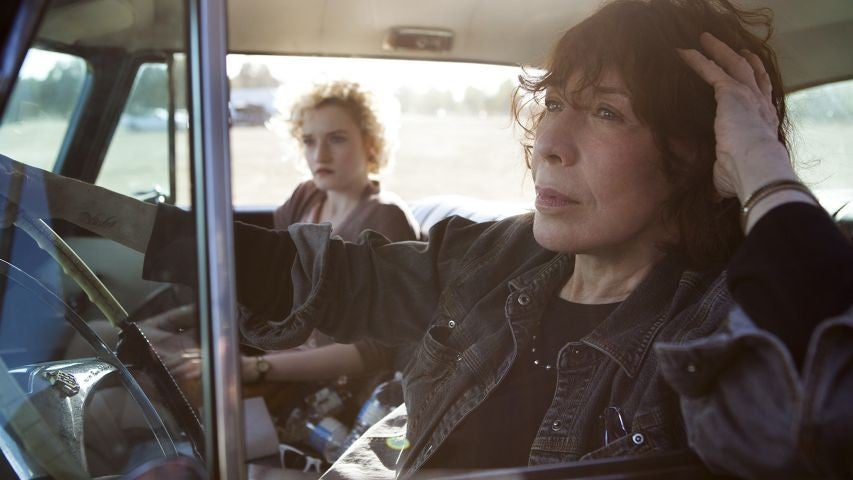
point(145, 147)
point(450, 122)
point(822, 146)
point(49, 89)
point(83, 392)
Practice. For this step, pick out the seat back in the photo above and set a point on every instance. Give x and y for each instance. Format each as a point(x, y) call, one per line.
point(431, 210)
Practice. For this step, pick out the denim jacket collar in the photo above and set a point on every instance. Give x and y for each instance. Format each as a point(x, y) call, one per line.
point(628, 333)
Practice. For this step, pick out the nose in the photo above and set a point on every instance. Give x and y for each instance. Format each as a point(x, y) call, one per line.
point(555, 141)
point(321, 153)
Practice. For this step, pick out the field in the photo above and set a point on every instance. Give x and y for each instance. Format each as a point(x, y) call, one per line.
point(470, 156)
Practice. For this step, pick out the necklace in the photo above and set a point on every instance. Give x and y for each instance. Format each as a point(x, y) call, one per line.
point(536, 362)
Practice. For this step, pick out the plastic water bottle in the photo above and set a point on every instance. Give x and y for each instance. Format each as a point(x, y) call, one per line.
point(326, 437)
point(385, 397)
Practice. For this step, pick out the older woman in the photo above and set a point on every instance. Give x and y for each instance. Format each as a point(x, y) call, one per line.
point(529, 340)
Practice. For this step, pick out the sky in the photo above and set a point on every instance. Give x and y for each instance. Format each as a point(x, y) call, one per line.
point(38, 63)
point(381, 74)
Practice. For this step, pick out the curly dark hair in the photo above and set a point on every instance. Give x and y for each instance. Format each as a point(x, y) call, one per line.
point(638, 39)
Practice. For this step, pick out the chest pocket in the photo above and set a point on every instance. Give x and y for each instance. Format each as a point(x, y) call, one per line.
point(426, 375)
point(649, 433)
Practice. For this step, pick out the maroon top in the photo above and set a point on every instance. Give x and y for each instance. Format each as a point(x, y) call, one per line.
point(378, 210)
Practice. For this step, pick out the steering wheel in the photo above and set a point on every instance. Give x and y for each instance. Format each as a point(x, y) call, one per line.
point(61, 454)
point(27, 421)
point(73, 266)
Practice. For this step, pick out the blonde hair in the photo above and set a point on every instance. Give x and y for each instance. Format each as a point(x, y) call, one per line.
point(359, 104)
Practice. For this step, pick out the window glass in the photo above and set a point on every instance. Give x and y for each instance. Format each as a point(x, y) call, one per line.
point(449, 121)
point(83, 392)
point(822, 141)
point(141, 155)
point(49, 88)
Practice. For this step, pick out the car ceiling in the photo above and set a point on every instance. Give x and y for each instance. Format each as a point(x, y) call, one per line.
point(812, 37)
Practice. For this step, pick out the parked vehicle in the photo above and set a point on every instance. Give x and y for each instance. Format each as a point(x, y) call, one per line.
point(133, 96)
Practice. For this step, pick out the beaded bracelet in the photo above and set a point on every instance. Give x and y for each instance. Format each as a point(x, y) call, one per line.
point(767, 190)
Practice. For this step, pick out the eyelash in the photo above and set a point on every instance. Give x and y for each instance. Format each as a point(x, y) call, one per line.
point(552, 105)
point(604, 112)
point(608, 114)
point(308, 142)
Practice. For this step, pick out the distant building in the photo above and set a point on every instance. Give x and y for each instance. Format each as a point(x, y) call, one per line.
point(252, 106)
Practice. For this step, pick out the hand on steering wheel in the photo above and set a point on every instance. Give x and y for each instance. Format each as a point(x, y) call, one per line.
point(174, 336)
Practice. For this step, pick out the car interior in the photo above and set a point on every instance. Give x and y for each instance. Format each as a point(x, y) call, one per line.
point(103, 92)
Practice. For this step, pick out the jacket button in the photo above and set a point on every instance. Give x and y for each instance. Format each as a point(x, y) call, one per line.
point(451, 324)
point(556, 425)
point(524, 299)
point(638, 438)
point(691, 368)
point(459, 357)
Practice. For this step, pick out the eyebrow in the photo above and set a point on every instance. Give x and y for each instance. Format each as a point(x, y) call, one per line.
point(598, 90)
point(611, 91)
point(333, 132)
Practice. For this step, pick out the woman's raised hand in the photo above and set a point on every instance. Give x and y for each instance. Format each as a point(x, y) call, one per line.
point(749, 153)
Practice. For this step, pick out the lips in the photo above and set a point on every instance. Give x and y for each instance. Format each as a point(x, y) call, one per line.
point(323, 171)
point(550, 198)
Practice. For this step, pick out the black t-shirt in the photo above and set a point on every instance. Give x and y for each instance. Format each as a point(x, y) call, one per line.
point(500, 431)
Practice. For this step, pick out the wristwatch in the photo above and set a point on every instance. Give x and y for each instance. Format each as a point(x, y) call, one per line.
point(262, 366)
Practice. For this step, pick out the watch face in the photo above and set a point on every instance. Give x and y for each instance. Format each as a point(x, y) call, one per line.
point(263, 365)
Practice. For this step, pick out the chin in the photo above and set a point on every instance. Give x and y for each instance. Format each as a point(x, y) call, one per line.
point(554, 235)
point(324, 184)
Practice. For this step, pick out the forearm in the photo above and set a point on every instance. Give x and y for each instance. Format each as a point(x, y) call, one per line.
point(25, 189)
point(794, 269)
point(111, 215)
point(320, 363)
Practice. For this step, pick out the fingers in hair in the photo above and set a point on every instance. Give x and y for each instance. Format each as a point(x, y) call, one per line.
point(732, 62)
point(704, 67)
point(762, 78)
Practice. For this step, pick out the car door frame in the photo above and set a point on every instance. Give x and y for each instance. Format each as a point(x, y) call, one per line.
point(217, 305)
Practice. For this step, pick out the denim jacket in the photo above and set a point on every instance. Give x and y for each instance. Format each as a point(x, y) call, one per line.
point(459, 308)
